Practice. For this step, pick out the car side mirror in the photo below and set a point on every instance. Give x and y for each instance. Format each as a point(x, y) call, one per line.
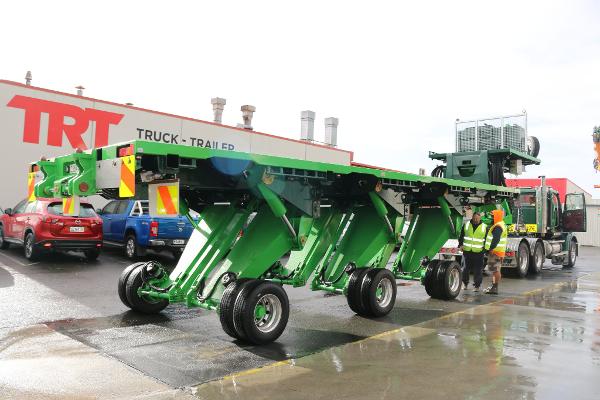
point(98, 211)
point(8, 211)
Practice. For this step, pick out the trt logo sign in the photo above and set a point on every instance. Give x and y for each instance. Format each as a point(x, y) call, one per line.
point(57, 112)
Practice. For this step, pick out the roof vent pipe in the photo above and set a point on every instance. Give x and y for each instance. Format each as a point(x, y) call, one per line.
point(218, 106)
point(28, 78)
point(247, 114)
point(331, 125)
point(307, 126)
point(79, 90)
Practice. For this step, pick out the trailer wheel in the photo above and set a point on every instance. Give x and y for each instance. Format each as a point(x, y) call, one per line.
point(572, 254)
point(378, 292)
point(536, 262)
point(430, 281)
point(227, 305)
point(123, 282)
point(141, 303)
point(449, 280)
point(262, 313)
point(354, 293)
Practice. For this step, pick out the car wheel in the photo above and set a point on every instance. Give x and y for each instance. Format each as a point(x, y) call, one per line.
point(572, 254)
point(92, 255)
point(3, 244)
point(31, 252)
point(142, 303)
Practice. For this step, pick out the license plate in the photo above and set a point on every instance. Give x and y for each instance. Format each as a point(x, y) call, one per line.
point(77, 229)
point(178, 241)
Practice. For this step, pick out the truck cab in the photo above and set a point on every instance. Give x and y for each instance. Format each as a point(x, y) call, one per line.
point(127, 224)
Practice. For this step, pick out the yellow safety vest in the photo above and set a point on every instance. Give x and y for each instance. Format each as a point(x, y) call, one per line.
point(500, 249)
point(474, 239)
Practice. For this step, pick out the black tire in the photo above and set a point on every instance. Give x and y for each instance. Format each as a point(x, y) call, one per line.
point(177, 254)
point(449, 280)
point(3, 244)
point(429, 281)
point(533, 146)
point(137, 303)
point(227, 305)
point(378, 304)
point(132, 249)
point(277, 309)
point(536, 260)
point(123, 282)
point(92, 255)
point(29, 248)
point(522, 261)
point(572, 254)
point(354, 293)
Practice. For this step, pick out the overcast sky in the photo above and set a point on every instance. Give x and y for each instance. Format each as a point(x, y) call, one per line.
point(397, 74)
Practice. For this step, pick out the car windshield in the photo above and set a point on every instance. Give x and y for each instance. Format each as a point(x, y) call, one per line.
point(85, 210)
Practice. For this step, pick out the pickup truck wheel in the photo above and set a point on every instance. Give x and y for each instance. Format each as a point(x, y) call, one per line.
point(132, 249)
point(139, 303)
point(537, 259)
point(3, 244)
point(31, 252)
point(572, 255)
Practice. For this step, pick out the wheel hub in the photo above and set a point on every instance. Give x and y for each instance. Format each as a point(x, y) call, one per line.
point(267, 313)
point(383, 293)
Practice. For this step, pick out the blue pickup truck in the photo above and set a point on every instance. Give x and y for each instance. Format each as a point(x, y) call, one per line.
point(126, 223)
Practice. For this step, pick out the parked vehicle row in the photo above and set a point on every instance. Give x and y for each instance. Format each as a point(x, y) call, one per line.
point(40, 227)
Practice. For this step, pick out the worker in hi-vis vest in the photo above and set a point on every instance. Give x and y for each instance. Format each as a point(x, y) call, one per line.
point(495, 246)
point(471, 242)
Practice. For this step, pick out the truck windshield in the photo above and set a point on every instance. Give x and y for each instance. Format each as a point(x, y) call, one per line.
point(85, 210)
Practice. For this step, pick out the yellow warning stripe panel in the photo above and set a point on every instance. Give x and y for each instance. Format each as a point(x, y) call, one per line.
point(127, 184)
point(167, 199)
point(31, 186)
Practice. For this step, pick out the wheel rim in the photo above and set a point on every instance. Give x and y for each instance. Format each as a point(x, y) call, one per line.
point(1, 236)
point(573, 254)
point(523, 260)
point(130, 248)
point(539, 258)
point(384, 292)
point(454, 279)
point(267, 313)
point(28, 246)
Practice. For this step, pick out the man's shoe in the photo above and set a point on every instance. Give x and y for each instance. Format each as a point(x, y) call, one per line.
point(476, 289)
point(493, 289)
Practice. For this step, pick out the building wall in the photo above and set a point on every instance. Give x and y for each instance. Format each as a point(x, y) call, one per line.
point(36, 122)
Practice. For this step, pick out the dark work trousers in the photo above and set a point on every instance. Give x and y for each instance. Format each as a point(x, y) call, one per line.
point(474, 264)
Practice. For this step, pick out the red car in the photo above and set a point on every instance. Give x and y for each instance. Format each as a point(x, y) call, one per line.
point(39, 227)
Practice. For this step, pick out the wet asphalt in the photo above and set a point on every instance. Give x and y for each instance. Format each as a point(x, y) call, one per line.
point(182, 348)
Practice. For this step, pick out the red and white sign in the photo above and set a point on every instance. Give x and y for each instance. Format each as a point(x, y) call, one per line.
point(36, 122)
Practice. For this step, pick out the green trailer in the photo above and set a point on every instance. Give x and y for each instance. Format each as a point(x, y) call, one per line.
point(266, 222)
